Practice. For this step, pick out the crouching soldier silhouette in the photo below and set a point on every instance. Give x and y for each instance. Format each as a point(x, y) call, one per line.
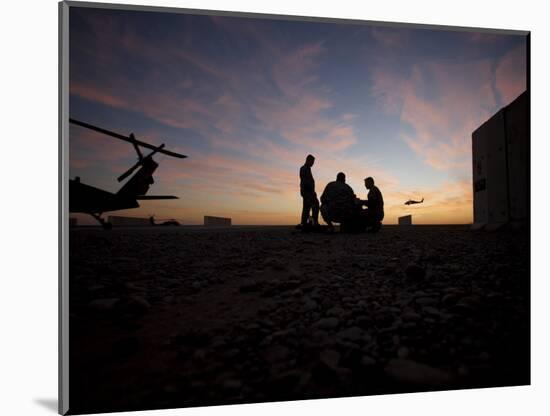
point(309, 197)
point(374, 214)
point(338, 203)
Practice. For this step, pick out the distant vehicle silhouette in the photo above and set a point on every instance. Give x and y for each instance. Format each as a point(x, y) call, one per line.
point(411, 202)
point(94, 201)
point(164, 222)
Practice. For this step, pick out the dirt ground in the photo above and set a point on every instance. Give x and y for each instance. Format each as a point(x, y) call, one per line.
point(188, 316)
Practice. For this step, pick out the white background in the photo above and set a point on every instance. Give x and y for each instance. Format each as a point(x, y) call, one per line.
point(28, 204)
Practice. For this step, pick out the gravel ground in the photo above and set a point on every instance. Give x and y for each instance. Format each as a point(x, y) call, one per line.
point(177, 317)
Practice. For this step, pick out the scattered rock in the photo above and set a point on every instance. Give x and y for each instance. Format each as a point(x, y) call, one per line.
point(274, 263)
point(320, 337)
point(362, 321)
point(327, 323)
point(277, 353)
point(412, 372)
point(430, 310)
point(410, 316)
point(310, 305)
point(449, 299)
point(367, 361)
point(330, 358)
point(137, 304)
point(232, 385)
point(352, 334)
point(425, 301)
point(248, 285)
point(104, 305)
point(403, 352)
point(336, 311)
point(126, 347)
point(415, 272)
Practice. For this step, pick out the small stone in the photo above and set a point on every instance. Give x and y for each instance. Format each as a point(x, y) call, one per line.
point(449, 299)
point(248, 285)
point(426, 301)
point(199, 354)
point(275, 264)
point(126, 347)
point(352, 334)
point(96, 288)
point(320, 337)
point(297, 292)
point(336, 311)
point(104, 305)
point(431, 310)
point(330, 358)
point(133, 287)
point(463, 371)
point(218, 341)
point(410, 316)
point(310, 305)
point(367, 361)
point(327, 323)
point(396, 340)
point(232, 384)
point(403, 352)
point(362, 320)
point(138, 304)
point(412, 372)
point(277, 353)
point(415, 272)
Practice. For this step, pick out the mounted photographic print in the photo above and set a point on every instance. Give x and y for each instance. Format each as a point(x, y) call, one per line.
point(260, 208)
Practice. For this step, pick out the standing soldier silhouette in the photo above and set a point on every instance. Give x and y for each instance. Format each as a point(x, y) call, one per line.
point(307, 191)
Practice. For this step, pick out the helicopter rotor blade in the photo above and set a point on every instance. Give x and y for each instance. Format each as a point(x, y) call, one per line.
point(130, 171)
point(131, 139)
point(140, 161)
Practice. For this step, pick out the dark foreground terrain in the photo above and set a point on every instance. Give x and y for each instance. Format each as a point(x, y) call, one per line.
point(186, 317)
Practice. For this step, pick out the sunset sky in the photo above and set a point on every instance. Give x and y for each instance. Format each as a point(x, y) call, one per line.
point(247, 99)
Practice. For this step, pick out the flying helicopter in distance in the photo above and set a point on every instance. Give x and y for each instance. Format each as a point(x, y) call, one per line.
point(412, 201)
point(90, 200)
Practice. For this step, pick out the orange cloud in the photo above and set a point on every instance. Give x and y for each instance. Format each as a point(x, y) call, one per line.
point(390, 37)
point(449, 203)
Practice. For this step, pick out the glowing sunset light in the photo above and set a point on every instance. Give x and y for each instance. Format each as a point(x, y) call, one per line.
point(247, 99)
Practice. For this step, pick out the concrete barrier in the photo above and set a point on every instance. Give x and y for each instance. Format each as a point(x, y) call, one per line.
point(405, 220)
point(210, 221)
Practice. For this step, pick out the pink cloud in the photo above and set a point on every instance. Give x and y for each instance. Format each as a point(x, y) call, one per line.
point(390, 37)
point(301, 121)
point(443, 121)
point(511, 77)
point(88, 148)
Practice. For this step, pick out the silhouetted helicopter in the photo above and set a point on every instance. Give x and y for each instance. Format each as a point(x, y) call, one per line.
point(94, 201)
point(164, 222)
point(411, 201)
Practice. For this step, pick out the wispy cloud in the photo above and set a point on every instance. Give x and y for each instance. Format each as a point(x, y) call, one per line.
point(390, 37)
point(250, 100)
point(444, 102)
point(511, 79)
